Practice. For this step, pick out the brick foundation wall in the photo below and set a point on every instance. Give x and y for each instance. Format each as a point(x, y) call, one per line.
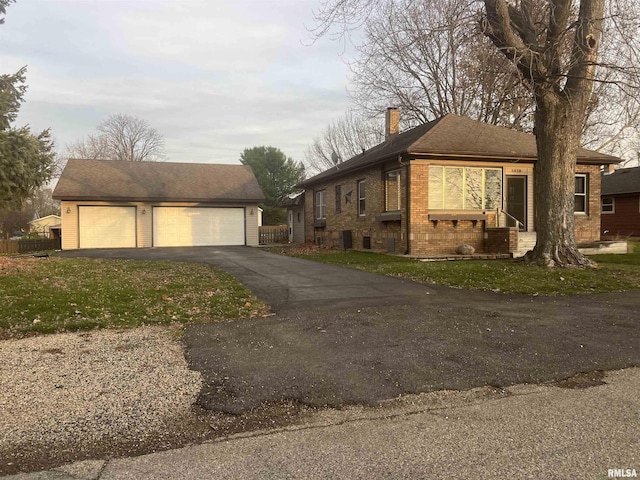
point(444, 236)
point(502, 240)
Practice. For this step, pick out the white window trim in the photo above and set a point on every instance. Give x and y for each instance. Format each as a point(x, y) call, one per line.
point(464, 186)
point(321, 205)
point(585, 194)
point(362, 211)
point(386, 190)
point(613, 206)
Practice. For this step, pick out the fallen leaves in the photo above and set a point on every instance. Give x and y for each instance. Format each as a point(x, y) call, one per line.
point(13, 265)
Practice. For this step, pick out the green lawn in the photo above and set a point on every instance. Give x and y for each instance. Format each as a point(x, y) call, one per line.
point(63, 294)
point(614, 272)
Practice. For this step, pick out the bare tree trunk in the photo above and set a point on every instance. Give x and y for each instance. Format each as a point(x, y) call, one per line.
point(557, 136)
point(555, 48)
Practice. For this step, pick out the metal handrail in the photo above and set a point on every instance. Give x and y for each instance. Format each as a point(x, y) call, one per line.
point(501, 211)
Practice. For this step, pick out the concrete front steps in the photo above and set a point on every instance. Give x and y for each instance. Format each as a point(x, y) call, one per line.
point(527, 240)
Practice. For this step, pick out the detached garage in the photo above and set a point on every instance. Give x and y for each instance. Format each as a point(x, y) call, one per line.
point(114, 204)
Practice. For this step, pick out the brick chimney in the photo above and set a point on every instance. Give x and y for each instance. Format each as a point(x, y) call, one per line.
point(392, 122)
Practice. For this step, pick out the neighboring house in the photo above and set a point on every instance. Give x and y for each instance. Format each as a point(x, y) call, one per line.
point(621, 203)
point(116, 204)
point(46, 226)
point(295, 217)
point(449, 182)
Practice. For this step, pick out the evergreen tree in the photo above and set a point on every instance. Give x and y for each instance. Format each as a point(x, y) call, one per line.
point(276, 175)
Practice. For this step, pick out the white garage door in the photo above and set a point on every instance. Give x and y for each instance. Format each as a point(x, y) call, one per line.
point(107, 227)
point(197, 226)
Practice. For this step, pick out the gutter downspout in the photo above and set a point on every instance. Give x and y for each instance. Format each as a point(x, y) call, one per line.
point(407, 200)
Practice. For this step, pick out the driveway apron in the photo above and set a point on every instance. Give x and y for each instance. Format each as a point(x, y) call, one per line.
point(341, 336)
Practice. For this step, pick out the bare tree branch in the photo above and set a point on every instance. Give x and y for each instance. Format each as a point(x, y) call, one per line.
point(344, 138)
point(121, 137)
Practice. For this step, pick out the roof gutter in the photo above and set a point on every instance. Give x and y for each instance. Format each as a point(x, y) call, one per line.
point(505, 158)
point(303, 185)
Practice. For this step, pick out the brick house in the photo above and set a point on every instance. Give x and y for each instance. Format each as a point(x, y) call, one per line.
point(621, 203)
point(448, 182)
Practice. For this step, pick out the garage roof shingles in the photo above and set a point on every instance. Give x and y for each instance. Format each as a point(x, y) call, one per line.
point(112, 180)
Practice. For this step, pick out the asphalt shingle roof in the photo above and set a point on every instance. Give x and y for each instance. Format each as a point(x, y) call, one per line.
point(454, 136)
point(112, 180)
point(623, 180)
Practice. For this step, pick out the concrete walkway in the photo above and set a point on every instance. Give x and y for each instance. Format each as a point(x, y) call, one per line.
point(526, 431)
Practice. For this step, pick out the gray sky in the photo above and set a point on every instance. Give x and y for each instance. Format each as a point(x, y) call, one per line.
point(212, 76)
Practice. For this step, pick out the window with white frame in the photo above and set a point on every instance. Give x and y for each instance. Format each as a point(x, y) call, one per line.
point(608, 205)
point(361, 198)
point(580, 203)
point(392, 191)
point(321, 205)
point(464, 188)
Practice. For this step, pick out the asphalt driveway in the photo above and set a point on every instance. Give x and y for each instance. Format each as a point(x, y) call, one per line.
point(285, 283)
point(341, 336)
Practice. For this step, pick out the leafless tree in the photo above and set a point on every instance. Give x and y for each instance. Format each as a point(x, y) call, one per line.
point(121, 137)
point(612, 123)
point(41, 203)
point(557, 47)
point(559, 50)
point(428, 59)
point(93, 147)
point(13, 219)
point(344, 138)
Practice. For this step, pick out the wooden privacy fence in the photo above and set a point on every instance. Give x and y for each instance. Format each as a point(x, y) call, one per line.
point(29, 245)
point(274, 234)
